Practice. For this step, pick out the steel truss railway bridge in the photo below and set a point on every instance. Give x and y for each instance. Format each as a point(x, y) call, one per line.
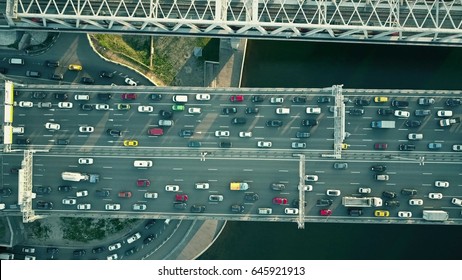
point(424, 22)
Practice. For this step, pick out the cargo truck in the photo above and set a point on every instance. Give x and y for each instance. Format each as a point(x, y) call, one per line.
point(383, 124)
point(77, 177)
point(435, 215)
point(361, 201)
point(238, 186)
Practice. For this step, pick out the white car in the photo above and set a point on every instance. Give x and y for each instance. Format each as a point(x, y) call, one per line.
point(85, 161)
point(333, 192)
point(456, 201)
point(52, 126)
point(172, 188)
point(150, 195)
point(81, 193)
point(264, 144)
point(26, 104)
point(245, 134)
point(444, 113)
point(313, 110)
point(69, 201)
point(222, 133)
point(364, 190)
point(145, 109)
point(65, 105)
point(435, 195)
point(291, 211)
point(306, 188)
point(112, 207)
point(415, 201)
point(133, 238)
point(404, 214)
point(142, 163)
point(311, 178)
point(402, 114)
point(283, 111)
point(441, 184)
point(130, 82)
point(276, 100)
point(114, 246)
point(82, 97)
point(139, 207)
point(113, 257)
point(86, 129)
point(457, 148)
point(194, 110)
point(84, 206)
point(202, 186)
point(102, 107)
point(203, 96)
point(415, 136)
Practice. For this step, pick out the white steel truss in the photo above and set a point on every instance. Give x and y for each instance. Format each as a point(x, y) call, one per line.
point(410, 21)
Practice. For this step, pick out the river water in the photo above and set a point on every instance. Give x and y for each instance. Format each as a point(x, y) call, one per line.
point(300, 64)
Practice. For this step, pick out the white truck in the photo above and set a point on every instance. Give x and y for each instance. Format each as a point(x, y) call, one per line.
point(435, 215)
point(77, 177)
point(383, 124)
point(349, 201)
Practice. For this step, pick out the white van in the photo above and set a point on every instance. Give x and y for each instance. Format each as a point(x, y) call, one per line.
point(142, 163)
point(180, 98)
point(265, 211)
point(16, 61)
point(18, 130)
point(82, 97)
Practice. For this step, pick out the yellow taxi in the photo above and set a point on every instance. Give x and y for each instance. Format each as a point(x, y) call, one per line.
point(381, 213)
point(380, 99)
point(75, 67)
point(345, 146)
point(130, 143)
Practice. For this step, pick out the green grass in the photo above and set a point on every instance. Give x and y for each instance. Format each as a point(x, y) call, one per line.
point(85, 229)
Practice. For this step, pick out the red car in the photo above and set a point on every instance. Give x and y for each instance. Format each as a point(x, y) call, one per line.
point(129, 96)
point(380, 146)
point(280, 200)
point(181, 197)
point(236, 98)
point(125, 194)
point(325, 212)
point(143, 183)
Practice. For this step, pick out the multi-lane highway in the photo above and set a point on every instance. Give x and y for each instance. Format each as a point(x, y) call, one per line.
point(174, 163)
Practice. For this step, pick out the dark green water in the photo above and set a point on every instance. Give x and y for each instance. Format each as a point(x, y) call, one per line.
point(285, 64)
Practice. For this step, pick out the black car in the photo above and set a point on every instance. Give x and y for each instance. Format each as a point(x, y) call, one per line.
point(309, 122)
point(389, 194)
point(251, 196)
point(356, 112)
point(105, 74)
point(52, 250)
point(194, 144)
point(149, 239)
point(79, 253)
point(299, 99)
point(399, 104)
point(425, 101)
point(98, 250)
point(229, 110)
point(225, 144)
point(155, 97)
point(104, 96)
point(86, 107)
point(166, 115)
point(150, 224)
point(56, 76)
point(237, 208)
point(453, 102)
point(238, 120)
point(23, 141)
point(52, 63)
point(324, 202)
point(62, 142)
point(274, 123)
point(14, 170)
point(413, 123)
point(5, 192)
point(131, 251)
point(392, 203)
point(355, 212)
point(42, 190)
point(408, 192)
point(296, 203)
point(198, 208)
point(3, 70)
point(61, 96)
point(362, 102)
point(302, 134)
point(64, 188)
point(39, 95)
point(102, 193)
point(251, 110)
point(179, 205)
point(324, 99)
point(406, 147)
point(87, 80)
point(186, 133)
point(384, 112)
point(257, 98)
point(114, 132)
point(422, 113)
point(379, 168)
point(44, 205)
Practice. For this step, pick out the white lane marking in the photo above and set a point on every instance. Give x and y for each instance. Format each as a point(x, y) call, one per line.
point(283, 170)
point(248, 170)
point(177, 168)
point(212, 169)
point(107, 167)
point(427, 173)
